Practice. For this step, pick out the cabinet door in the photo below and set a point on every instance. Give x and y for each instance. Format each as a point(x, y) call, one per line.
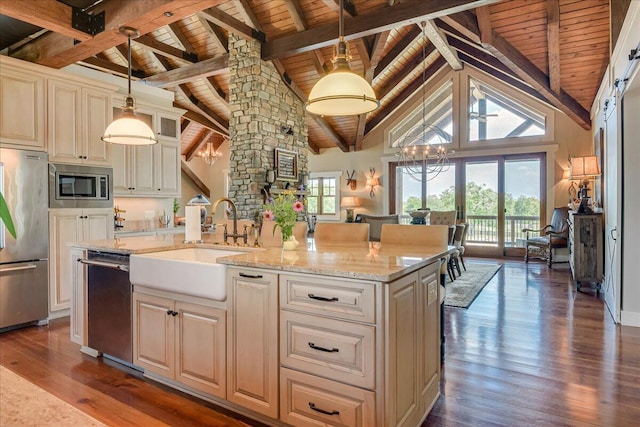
point(64, 128)
point(78, 287)
point(201, 348)
point(252, 340)
point(429, 336)
point(98, 224)
point(402, 298)
point(22, 109)
point(153, 334)
point(97, 114)
point(65, 226)
point(168, 126)
point(142, 170)
point(120, 160)
point(167, 168)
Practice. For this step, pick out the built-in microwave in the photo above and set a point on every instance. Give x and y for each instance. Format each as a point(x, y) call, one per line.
point(78, 186)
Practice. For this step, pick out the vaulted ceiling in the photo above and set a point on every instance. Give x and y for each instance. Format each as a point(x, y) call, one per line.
point(555, 50)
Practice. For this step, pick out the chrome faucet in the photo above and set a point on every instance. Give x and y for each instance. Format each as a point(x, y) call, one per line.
point(235, 234)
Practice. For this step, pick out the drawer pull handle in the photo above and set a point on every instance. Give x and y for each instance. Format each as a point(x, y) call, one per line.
point(332, 299)
point(315, 347)
point(322, 411)
point(251, 276)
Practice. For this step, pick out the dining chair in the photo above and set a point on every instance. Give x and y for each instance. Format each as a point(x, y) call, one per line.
point(340, 232)
point(442, 218)
point(375, 224)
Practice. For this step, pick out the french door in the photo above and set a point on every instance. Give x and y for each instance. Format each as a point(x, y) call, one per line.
point(497, 196)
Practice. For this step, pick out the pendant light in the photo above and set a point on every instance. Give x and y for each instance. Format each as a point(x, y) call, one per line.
point(128, 129)
point(210, 155)
point(341, 92)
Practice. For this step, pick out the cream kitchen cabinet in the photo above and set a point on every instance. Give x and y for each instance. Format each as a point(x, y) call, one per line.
point(252, 339)
point(71, 226)
point(78, 319)
point(77, 118)
point(146, 170)
point(180, 340)
point(22, 107)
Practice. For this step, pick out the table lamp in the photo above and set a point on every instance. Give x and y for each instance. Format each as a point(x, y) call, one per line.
point(584, 168)
point(349, 203)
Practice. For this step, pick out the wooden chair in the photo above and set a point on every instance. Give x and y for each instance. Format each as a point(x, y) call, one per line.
point(551, 236)
point(375, 224)
point(340, 232)
point(270, 238)
point(456, 257)
point(442, 218)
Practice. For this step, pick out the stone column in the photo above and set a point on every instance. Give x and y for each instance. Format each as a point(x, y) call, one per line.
point(261, 105)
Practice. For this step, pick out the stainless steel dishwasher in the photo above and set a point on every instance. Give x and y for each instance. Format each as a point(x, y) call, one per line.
point(109, 305)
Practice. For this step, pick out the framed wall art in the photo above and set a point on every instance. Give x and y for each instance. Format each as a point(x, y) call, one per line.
point(286, 162)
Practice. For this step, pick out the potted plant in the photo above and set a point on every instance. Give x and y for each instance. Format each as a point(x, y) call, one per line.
point(176, 207)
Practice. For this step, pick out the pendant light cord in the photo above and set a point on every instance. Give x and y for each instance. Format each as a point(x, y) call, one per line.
point(129, 64)
point(341, 23)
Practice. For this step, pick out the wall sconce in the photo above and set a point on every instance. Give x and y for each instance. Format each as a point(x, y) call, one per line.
point(270, 177)
point(372, 182)
point(349, 203)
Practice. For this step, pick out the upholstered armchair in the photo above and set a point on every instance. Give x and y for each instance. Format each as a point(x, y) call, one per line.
point(551, 236)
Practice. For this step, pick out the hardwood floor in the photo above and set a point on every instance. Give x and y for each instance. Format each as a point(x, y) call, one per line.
point(530, 350)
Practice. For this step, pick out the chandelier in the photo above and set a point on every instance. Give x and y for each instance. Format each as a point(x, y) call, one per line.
point(423, 151)
point(210, 155)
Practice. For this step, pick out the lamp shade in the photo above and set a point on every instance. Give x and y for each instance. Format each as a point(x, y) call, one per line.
point(350, 202)
point(373, 182)
point(129, 130)
point(582, 167)
point(342, 93)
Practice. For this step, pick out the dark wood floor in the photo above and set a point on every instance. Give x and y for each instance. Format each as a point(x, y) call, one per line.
point(529, 351)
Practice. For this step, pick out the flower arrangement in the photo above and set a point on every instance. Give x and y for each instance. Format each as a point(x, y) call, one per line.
point(283, 210)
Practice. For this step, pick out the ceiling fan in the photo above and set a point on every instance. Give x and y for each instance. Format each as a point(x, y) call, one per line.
point(480, 117)
point(477, 94)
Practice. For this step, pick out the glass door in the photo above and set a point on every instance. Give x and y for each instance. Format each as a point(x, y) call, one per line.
point(482, 206)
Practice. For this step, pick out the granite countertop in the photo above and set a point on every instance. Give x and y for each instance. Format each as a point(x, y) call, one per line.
point(366, 261)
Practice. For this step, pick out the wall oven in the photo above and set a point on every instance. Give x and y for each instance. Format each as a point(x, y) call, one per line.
point(78, 186)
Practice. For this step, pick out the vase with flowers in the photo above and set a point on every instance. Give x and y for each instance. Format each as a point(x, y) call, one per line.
point(284, 210)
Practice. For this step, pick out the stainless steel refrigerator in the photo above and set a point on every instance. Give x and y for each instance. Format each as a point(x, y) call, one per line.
point(23, 260)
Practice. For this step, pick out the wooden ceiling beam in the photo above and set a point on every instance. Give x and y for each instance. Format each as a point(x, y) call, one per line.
point(217, 92)
point(465, 23)
point(57, 51)
point(245, 10)
point(397, 49)
point(121, 49)
point(165, 49)
point(111, 68)
point(297, 14)
point(364, 25)
point(197, 181)
point(439, 40)
point(553, 44)
point(480, 55)
point(483, 15)
point(185, 125)
point(199, 70)
point(50, 14)
point(402, 74)
point(197, 143)
point(348, 6)
point(199, 118)
point(231, 24)
point(431, 70)
point(215, 33)
point(178, 35)
point(222, 125)
point(318, 61)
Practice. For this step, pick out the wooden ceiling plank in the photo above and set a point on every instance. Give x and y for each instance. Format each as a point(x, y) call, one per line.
point(217, 92)
point(185, 125)
point(465, 23)
point(553, 43)
point(215, 32)
point(330, 132)
point(297, 15)
point(221, 123)
point(196, 117)
point(122, 52)
point(397, 49)
point(245, 10)
point(202, 69)
point(197, 143)
point(50, 14)
point(318, 61)
point(164, 62)
point(439, 40)
point(57, 51)
point(431, 70)
point(178, 35)
point(231, 24)
point(348, 6)
point(165, 49)
point(364, 25)
point(197, 181)
point(363, 52)
point(528, 72)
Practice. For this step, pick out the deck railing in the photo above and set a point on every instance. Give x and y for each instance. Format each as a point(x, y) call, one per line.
point(483, 229)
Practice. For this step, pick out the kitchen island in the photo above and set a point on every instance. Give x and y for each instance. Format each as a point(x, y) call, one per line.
point(337, 334)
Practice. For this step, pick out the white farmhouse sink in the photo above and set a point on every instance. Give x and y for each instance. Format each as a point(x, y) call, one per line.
point(192, 271)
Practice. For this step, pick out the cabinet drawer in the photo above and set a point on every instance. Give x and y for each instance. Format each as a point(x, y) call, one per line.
point(306, 400)
point(329, 297)
point(331, 348)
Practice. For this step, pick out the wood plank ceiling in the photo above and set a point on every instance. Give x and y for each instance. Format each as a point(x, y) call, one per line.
point(556, 50)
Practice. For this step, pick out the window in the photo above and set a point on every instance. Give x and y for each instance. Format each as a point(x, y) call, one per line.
point(323, 195)
point(494, 115)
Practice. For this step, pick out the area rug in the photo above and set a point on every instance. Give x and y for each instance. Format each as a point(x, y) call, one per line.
point(462, 291)
point(25, 404)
